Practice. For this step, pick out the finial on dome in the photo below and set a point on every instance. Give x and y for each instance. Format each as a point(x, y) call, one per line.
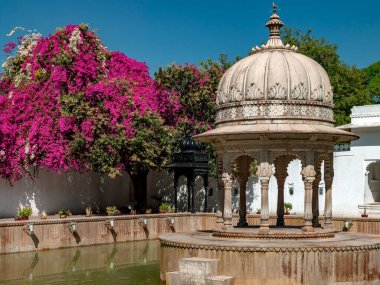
point(274, 24)
point(274, 8)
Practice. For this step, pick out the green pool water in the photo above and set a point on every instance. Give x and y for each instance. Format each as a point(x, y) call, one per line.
point(120, 263)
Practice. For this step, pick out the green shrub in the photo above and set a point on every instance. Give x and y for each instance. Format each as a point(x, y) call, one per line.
point(64, 213)
point(112, 211)
point(165, 208)
point(288, 206)
point(24, 212)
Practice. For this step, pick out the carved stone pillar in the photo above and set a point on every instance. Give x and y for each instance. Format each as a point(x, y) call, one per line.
point(281, 165)
point(243, 179)
point(175, 192)
point(264, 172)
point(219, 169)
point(280, 200)
point(205, 184)
point(188, 180)
point(308, 174)
point(329, 174)
point(227, 214)
point(192, 187)
point(315, 198)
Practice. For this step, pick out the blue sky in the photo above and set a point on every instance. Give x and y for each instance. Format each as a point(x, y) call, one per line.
point(163, 32)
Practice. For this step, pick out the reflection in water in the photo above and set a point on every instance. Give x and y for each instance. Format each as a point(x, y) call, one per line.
point(119, 263)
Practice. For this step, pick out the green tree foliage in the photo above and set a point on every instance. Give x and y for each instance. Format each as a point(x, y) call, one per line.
point(372, 80)
point(348, 81)
point(194, 89)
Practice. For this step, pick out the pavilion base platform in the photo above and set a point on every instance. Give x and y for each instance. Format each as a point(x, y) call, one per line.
point(283, 258)
point(292, 233)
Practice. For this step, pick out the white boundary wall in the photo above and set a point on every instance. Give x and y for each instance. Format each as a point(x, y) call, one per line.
point(74, 191)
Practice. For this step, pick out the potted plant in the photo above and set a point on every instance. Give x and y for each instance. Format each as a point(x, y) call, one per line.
point(88, 211)
point(287, 206)
point(258, 211)
point(112, 211)
point(364, 214)
point(64, 214)
point(148, 211)
point(164, 208)
point(23, 214)
point(43, 215)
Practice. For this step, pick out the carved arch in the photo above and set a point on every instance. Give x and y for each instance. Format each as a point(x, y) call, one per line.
point(273, 155)
point(242, 162)
point(236, 156)
point(372, 165)
point(373, 178)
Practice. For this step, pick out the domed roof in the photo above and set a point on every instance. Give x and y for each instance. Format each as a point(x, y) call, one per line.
point(188, 145)
point(274, 82)
point(275, 92)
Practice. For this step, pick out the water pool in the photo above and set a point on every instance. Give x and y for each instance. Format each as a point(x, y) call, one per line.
point(119, 263)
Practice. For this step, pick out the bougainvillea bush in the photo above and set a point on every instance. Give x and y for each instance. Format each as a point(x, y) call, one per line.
point(67, 102)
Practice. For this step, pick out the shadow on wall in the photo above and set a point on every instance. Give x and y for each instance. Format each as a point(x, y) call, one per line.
point(51, 192)
point(160, 188)
point(253, 194)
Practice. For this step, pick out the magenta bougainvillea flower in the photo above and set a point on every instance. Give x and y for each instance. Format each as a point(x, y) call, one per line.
point(67, 102)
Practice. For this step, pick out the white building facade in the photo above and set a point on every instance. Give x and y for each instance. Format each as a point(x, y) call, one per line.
point(357, 167)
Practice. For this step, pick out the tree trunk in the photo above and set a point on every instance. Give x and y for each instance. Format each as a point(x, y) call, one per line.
point(140, 186)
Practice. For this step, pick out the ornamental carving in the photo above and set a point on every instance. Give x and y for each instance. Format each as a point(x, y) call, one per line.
point(301, 155)
point(221, 97)
point(329, 96)
point(264, 170)
point(317, 93)
point(308, 171)
point(299, 92)
point(275, 110)
point(254, 93)
point(236, 94)
point(227, 179)
point(277, 92)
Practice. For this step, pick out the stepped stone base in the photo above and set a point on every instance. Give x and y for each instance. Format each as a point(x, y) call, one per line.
point(197, 271)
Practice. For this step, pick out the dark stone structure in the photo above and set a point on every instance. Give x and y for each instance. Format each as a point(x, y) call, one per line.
point(191, 162)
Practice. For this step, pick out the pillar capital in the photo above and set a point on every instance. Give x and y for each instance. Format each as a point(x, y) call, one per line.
point(227, 178)
point(308, 172)
point(264, 171)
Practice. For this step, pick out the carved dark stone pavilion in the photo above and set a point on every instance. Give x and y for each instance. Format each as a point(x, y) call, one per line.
point(191, 162)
